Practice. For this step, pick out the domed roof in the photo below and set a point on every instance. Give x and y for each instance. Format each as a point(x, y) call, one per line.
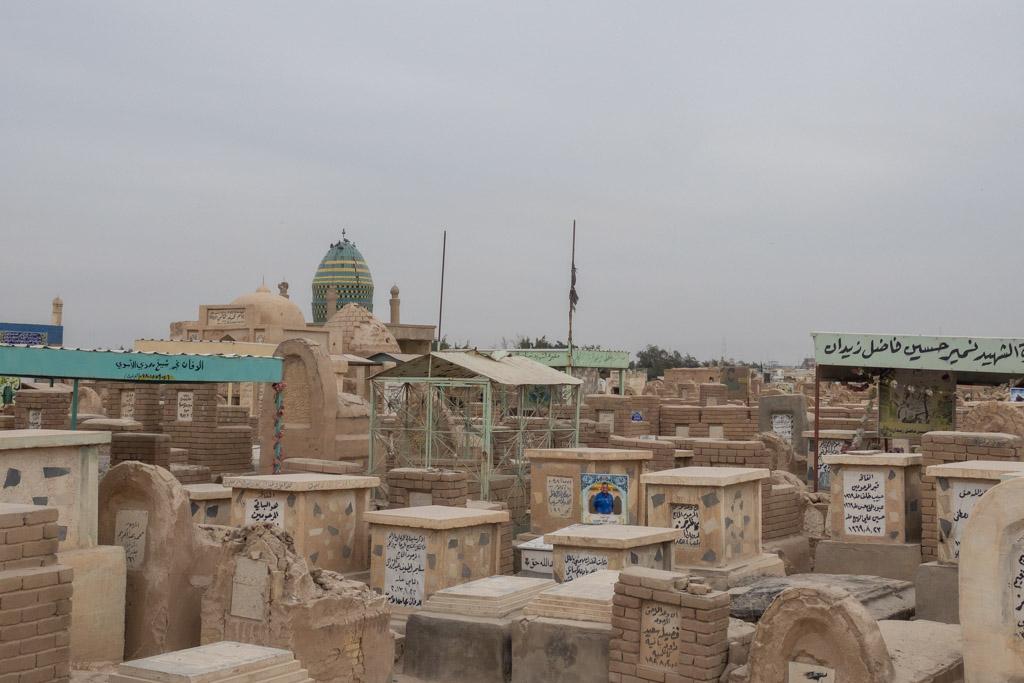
point(343, 268)
point(362, 334)
point(272, 309)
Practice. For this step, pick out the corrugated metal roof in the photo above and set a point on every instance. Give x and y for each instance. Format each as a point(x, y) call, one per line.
point(508, 370)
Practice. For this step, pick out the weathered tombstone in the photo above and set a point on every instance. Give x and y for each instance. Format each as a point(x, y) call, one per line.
point(875, 509)
point(215, 662)
point(418, 551)
point(719, 511)
point(833, 442)
point(786, 416)
point(262, 592)
point(566, 483)
point(822, 635)
point(992, 586)
point(309, 402)
point(325, 512)
point(958, 487)
point(582, 549)
point(144, 509)
point(209, 503)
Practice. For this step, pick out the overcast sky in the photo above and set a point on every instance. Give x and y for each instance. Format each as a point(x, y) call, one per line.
point(746, 171)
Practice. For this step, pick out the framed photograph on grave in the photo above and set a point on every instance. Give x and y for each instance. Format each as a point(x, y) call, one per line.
point(605, 498)
point(1017, 395)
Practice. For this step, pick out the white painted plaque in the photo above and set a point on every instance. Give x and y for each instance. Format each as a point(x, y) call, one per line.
point(185, 406)
point(130, 533)
point(264, 510)
point(683, 431)
point(782, 424)
point(225, 316)
point(607, 417)
point(538, 561)
point(810, 673)
point(687, 517)
point(864, 502)
point(128, 404)
point(35, 419)
point(249, 588)
point(405, 568)
point(560, 496)
point(827, 447)
point(716, 432)
point(965, 496)
point(712, 401)
point(575, 565)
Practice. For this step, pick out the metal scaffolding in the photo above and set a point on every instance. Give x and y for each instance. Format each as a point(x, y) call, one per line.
point(473, 413)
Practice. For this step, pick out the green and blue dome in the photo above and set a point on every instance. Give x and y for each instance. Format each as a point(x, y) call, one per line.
point(344, 268)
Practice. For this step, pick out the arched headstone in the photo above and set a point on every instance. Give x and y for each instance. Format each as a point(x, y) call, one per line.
point(820, 634)
point(310, 405)
point(992, 586)
point(144, 509)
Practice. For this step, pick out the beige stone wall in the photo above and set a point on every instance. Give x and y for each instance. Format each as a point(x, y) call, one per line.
point(42, 409)
point(651, 556)
point(666, 629)
point(35, 597)
point(713, 394)
point(938, 448)
point(902, 503)
point(542, 520)
point(409, 486)
point(62, 477)
point(781, 516)
point(729, 521)
point(619, 411)
point(453, 556)
point(664, 451)
point(328, 526)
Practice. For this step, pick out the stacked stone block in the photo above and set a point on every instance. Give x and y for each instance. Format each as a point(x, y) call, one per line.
point(939, 448)
point(35, 597)
point(190, 474)
point(153, 449)
point(504, 489)
point(664, 451)
point(595, 434)
point(226, 448)
point(147, 408)
point(713, 395)
point(444, 487)
point(713, 453)
point(316, 466)
point(667, 628)
point(624, 408)
point(52, 405)
point(781, 512)
point(683, 421)
point(733, 423)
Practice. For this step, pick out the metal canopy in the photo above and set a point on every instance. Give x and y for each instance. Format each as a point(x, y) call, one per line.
point(134, 366)
point(502, 369)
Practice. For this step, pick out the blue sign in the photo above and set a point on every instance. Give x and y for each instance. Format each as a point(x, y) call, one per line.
point(34, 335)
point(637, 416)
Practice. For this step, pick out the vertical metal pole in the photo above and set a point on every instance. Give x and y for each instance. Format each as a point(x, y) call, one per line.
point(817, 420)
point(276, 468)
point(572, 296)
point(373, 432)
point(440, 309)
point(622, 382)
point(428, 433)
point(74, 405)
point(576, 425)
point(485, 465)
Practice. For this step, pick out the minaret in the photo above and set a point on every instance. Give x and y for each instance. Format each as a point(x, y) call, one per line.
point(282, 289)
point(395, 303)
point(58, 311)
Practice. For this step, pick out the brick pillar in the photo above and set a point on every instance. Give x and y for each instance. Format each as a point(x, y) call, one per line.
point(35, 596)
point(668, 628)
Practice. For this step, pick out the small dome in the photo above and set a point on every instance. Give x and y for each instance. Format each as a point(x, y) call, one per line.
point(58, 301)
point(362, 334)
point(272, 309)
point(344, 269)
point(394, 290)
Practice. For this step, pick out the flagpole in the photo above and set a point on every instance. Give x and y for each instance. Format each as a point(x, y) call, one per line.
point(573, 297)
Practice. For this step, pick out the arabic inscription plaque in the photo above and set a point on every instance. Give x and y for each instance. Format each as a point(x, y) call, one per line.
point(130, 533)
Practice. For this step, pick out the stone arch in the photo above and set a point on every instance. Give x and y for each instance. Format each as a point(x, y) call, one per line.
point(310, 403)
point(994, 416)
point(821, 627)
point(162, 608)
point(991, 562)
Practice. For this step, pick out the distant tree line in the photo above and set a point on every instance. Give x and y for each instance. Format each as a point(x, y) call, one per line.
point(655, 360)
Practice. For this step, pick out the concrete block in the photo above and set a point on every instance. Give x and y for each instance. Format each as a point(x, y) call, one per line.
point(97, 610)
point(459, 649)
point(891, 561)
point(560, 651)
point(937, 591)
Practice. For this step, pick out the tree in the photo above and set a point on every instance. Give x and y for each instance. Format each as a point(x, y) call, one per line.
point(444, 344)
point(655, 360)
